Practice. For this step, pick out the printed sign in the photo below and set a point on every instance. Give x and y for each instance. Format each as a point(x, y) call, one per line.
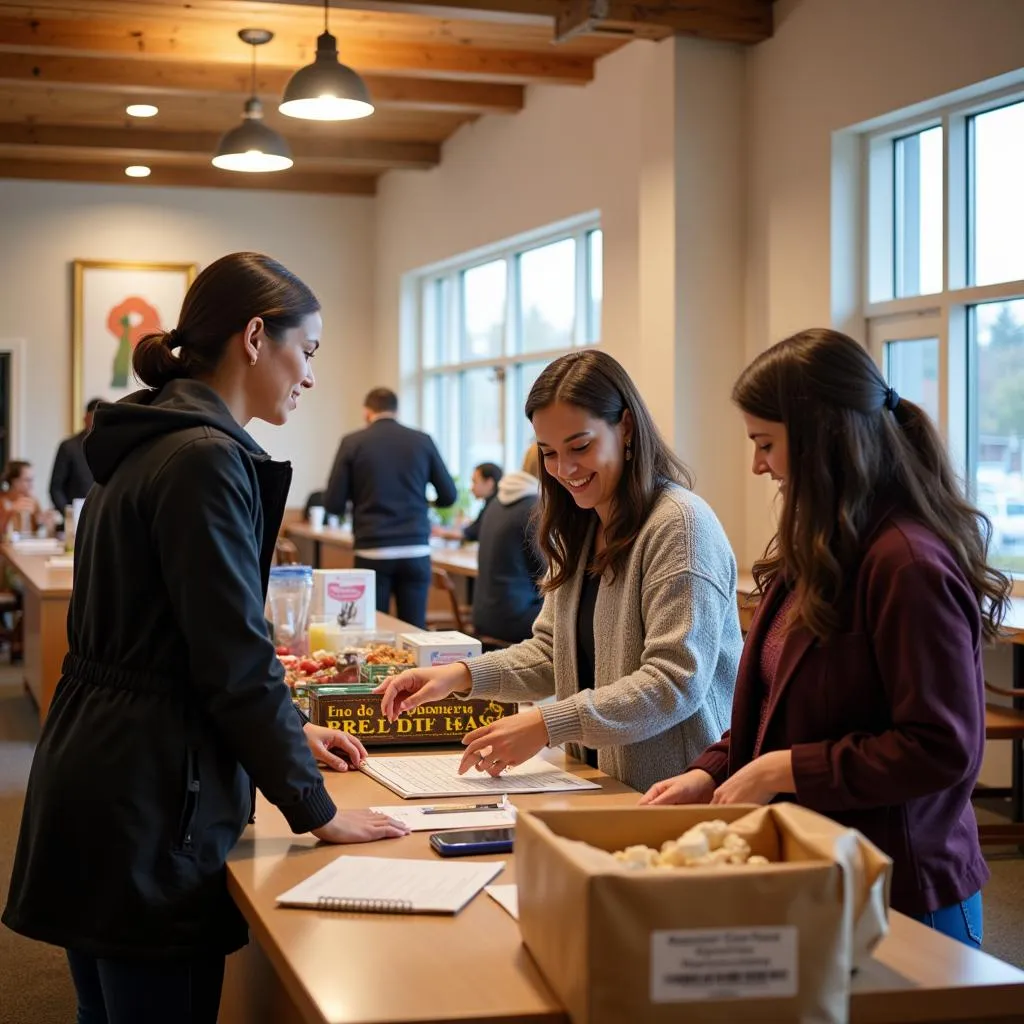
point(723, 963)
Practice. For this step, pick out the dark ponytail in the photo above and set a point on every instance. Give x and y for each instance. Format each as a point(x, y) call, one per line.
point(853, 442)
point(221, 301)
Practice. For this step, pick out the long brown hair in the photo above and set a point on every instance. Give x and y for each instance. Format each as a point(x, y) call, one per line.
point(853, 444)
point(596, 383)
point(220, 302)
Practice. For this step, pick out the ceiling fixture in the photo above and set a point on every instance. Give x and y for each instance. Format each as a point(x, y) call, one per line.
point(252, 146)
point(141, 110)
point(137, 171)
point(326, 90)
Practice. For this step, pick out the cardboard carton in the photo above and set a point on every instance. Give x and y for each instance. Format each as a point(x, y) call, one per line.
point(347, 597)
point(440, 648)
point(723, 945)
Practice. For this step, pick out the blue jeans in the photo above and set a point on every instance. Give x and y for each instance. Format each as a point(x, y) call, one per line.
point(961, 921)
point(408, 579)
point(157, 992)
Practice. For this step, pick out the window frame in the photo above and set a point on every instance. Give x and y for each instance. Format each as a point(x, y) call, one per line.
point(947, 313)
point(453, 365)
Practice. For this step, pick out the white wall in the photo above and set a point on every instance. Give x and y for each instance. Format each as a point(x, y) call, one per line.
point(655, 144)
point(833, 64)
point(326, 240)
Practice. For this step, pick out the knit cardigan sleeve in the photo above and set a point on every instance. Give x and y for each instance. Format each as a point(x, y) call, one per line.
point(522, 672)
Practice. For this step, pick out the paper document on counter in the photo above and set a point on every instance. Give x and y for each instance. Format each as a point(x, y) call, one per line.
point(417, 821)
point(506, 896)
point(434, 775)
point(385, 885)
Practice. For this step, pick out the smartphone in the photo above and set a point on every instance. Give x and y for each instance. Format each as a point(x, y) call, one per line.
point(469, 841)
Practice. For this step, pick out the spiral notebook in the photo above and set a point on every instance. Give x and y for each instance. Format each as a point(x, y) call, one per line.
point(380, 885)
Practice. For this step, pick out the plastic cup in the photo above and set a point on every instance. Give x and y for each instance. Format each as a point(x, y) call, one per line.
point(316, 516)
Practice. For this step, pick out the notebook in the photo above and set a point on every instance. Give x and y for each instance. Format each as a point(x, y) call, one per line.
point(437, 775)
point(382, 885)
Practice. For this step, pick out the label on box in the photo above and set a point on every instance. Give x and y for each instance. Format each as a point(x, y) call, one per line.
point(723, 963)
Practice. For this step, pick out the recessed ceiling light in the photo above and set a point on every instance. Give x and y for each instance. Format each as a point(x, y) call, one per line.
point(137, 171)
point(141, 110)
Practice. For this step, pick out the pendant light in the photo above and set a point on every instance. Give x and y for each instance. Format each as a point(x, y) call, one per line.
point(252, 146)
point(326, 90)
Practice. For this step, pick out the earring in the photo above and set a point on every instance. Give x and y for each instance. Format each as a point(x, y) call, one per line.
point(629, 451)
point(252, 362)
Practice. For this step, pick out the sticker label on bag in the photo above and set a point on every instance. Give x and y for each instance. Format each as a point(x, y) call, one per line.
point(723, 963)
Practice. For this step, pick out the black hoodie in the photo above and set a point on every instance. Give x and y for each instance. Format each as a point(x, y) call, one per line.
point(171, 696)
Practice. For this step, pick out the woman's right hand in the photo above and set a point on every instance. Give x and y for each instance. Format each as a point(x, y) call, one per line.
point(360, 827)
point(692, 787)
point(417, 686)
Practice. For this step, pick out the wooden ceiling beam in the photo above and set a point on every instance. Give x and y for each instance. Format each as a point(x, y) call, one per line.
point(217, 43)
point(191, 177)
point(153, 78)
point(139, 143)
point(728, 21)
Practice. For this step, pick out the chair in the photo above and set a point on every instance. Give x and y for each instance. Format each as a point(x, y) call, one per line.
point(458, 616)
point(1006, 723)
point(285, 552)
point(11, 623)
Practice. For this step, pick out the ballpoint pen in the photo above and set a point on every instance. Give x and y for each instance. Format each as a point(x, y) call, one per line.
point(500, 805)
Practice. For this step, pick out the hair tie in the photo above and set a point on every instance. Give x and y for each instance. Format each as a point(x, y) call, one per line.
point(892, 399)
point(171, 338)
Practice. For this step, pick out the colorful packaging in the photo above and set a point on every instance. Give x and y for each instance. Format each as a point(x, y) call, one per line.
point(441, 648)
point(345, 596)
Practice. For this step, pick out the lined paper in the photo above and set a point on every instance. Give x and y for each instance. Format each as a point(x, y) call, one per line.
point(437, 775)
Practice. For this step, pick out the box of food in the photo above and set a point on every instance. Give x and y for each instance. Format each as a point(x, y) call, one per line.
point(381, 660)
point(345, 596)
point(716, 915)
point(357, 710)
point(440, 648)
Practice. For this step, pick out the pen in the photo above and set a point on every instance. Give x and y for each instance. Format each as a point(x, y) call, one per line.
point(460, 808)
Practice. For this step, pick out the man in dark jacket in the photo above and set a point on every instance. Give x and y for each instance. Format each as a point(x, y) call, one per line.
point(71, 477)
point(383, 470)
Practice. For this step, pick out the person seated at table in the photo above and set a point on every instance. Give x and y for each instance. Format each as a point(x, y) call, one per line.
point(638, 637)
point(484, 487)
point(861, 694)
point(507, 598)
point(20, 512)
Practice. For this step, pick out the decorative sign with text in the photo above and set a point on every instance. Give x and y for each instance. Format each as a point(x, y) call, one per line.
point(445, 721)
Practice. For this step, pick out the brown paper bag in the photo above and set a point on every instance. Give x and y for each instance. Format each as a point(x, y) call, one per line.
point(719, 945)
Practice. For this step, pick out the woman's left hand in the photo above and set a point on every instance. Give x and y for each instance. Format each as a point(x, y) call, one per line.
point(505, 743)
point(758, 782)
point(322, 742)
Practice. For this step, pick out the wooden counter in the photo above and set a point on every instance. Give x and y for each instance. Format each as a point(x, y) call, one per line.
point(332, 968)
point(47, 593)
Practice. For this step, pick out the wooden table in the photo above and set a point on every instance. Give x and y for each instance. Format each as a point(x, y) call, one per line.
point(332, 968)
point(47, 593)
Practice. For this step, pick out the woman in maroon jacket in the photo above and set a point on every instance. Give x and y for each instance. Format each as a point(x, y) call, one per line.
point(860, 690)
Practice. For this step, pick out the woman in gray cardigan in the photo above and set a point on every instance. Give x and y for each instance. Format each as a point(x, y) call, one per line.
point(639, 637)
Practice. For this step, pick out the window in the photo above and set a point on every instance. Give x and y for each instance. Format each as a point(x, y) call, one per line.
point(945, 292)
point(488, 324)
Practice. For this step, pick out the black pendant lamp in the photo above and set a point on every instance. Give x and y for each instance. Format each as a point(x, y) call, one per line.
point(326, 90)
point(252, 146)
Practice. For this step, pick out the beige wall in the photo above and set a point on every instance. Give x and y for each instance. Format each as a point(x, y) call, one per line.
point(328, 241)
point(831, 65)
point(655, 143)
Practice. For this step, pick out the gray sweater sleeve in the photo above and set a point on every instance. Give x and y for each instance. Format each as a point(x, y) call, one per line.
point(522, 672)
point(683, 613)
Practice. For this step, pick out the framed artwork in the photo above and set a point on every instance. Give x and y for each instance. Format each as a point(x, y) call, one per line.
point(116, 304)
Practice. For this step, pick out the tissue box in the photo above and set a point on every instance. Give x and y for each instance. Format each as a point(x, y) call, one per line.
point(721, 945)
point(345, 596)
point(439, 648)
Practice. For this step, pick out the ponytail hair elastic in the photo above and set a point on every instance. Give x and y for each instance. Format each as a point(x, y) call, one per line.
point(892, 399)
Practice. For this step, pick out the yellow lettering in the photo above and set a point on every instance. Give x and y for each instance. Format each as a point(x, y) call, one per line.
point(333, 725)
point(404, 725)
point(349, 727)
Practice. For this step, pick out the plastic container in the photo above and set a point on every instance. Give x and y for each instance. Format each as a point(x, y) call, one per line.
point(288, 597)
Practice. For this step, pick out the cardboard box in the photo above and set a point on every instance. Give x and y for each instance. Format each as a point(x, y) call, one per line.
point(440, 648)
point(445, 721)
point(345, 596)
point(723, 945)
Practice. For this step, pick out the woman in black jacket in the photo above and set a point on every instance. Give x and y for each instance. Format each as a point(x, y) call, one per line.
point(171, 698)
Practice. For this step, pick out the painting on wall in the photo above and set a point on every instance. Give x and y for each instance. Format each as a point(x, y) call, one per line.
point(115, 305)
